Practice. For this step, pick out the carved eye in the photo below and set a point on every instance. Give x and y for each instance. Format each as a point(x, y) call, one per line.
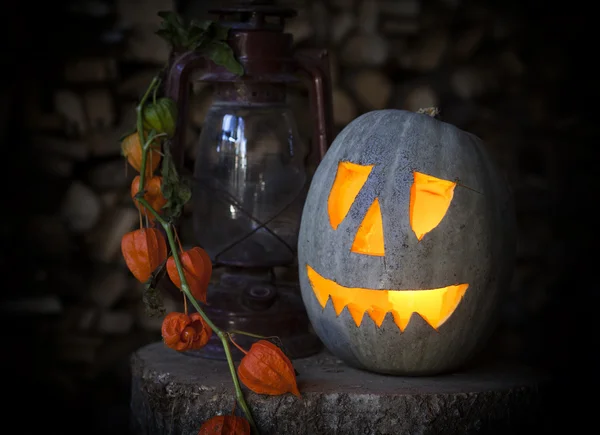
point(430, 198)
point(349, 180)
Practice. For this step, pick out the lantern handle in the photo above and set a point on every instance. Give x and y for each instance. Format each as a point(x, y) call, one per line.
point(177, 88)
point(315, 62)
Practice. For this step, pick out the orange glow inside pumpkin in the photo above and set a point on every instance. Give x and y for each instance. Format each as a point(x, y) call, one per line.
point(349, 179)
point(430, 198)
point(369, 237)
point(434, 305)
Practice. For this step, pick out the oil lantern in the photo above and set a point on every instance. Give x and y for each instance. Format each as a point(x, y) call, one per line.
point(251, 173)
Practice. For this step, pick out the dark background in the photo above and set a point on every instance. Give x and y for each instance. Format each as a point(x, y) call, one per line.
point(561, 338)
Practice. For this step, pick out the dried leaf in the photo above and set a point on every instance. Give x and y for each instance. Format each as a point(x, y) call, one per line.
point(151, 295)
point(266, 370)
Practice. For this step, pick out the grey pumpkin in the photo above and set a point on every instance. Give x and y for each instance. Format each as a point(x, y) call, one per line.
point(473, 244)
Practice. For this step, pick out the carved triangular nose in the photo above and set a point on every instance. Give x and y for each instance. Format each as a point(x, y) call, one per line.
point(369, 238)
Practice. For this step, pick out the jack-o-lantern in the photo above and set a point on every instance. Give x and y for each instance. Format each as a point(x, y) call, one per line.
point(406, 244)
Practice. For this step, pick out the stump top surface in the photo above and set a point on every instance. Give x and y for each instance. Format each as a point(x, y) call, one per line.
point(324, 373)
point(175, 393)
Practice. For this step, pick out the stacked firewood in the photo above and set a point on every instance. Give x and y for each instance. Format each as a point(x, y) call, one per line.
point(461, 56)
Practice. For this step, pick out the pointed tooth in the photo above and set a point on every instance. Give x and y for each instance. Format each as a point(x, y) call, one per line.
point(356, 312)
point(452, 298)
point(401, 321)
point(429, 304)
point(319, 285)
point(377, 314)
point(338, 304)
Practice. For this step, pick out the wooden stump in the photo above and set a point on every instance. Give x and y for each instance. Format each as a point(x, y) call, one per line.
point(173, 393)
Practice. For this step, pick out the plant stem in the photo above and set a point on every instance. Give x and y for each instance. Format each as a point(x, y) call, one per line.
point(184, 285)
point(222, 336)
point(238, 389)
point(145, 148)
point(249, 334)
point(155, 91)
point(244, 351)
point(140, 129)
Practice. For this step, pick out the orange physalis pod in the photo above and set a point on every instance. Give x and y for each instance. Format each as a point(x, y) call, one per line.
point(153, 195)
point(132, 150)
point(225, 425)
point(197, 268)
point(182, 332)
point(144, 250)
point(265, 369)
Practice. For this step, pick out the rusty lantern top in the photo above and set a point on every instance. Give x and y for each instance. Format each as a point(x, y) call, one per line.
point(259, 44)
point(266, 54)
point(263, 49)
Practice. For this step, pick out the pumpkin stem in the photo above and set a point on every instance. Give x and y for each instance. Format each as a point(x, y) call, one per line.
point(237, 345)
point(430, 111)
point(140, 216)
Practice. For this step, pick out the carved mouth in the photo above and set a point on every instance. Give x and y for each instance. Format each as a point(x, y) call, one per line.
point(433, 305)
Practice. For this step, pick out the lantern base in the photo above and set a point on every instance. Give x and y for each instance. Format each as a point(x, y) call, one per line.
point(250, 301)
point(173, 394)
